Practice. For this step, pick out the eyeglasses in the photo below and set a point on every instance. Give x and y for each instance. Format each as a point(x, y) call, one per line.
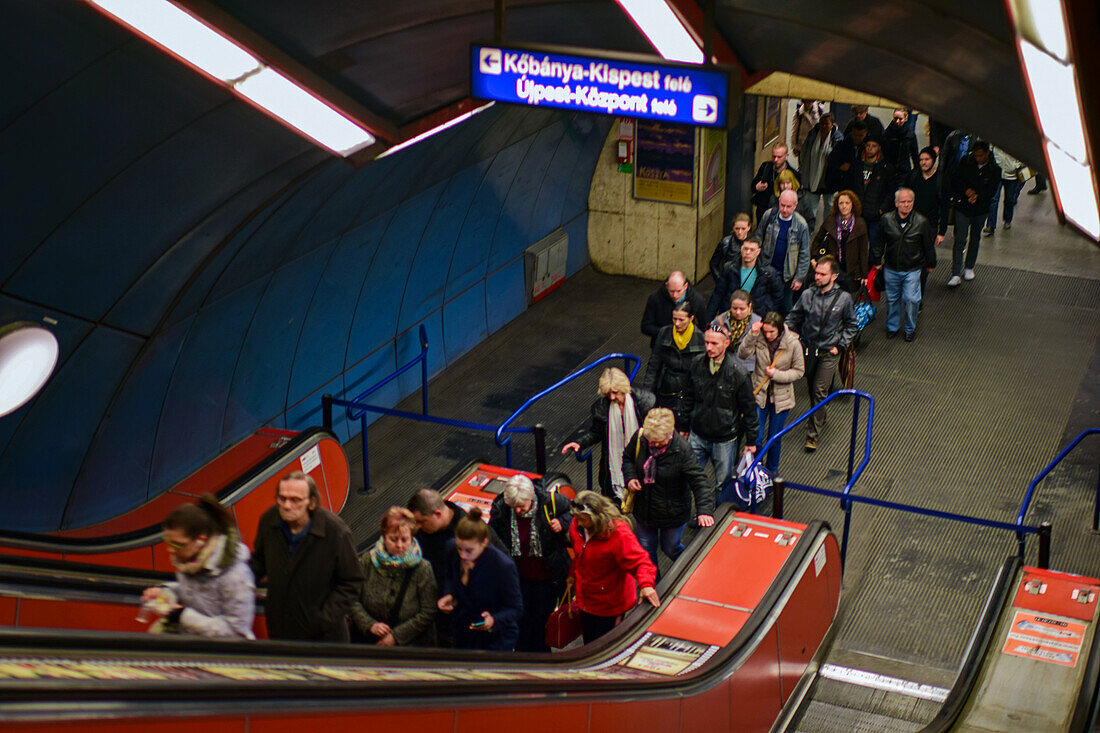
point(279, 499)
point(173, 544)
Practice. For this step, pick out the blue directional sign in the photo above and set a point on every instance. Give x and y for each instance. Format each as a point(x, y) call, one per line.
point(688, 95)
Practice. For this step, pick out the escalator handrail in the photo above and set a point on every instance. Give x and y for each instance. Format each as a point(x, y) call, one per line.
point(151, 534)
point(717, 668)
point(978, 647)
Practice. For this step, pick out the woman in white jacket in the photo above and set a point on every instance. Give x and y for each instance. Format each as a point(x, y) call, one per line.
point(215, 592)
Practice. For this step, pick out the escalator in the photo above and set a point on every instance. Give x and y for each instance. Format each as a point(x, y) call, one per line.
point(1032, 664)
point(743, 611)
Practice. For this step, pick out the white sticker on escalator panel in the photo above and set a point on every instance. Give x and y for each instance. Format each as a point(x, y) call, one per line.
point(311, 459)
point(819, 560)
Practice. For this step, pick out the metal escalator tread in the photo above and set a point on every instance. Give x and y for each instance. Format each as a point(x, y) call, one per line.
point(823, 717)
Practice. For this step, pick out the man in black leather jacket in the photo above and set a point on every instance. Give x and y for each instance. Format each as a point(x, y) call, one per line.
point(905, 247)
point(722, 409)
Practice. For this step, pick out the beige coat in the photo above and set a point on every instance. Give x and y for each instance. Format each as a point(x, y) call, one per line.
point(789, 367)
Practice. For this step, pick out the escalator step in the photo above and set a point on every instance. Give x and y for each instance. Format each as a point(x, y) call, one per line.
point(822, 717)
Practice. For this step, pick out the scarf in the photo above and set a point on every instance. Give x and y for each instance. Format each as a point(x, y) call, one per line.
point(843, 230)
point(649, 468)
point(622, 423)
point(212, 556)
point(737, 328)
point(535, 548)
point(392, 565)
point(682, 339)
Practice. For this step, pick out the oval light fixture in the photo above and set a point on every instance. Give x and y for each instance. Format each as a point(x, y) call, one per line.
point(28, 355)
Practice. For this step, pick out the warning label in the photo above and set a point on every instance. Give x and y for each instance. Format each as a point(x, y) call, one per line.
point(1046, 638)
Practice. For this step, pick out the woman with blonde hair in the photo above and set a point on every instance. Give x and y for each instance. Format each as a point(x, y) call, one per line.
point(616, 415)
point(843, 235)
point(396, 605)
point(610, 569)
point(661, 470)
point(787, 181)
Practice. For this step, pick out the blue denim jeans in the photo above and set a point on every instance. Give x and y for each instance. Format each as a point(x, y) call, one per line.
point(902, 293)
point(724, 456)
point(771, 422)
point(1012, 195)
point(670, 539)
point(966, 228)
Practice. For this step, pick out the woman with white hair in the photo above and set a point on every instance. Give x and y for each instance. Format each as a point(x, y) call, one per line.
point(662, 472)
point(616, 415)
point(534, 526)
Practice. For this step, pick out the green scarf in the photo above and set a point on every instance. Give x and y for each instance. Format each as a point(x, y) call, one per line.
point(394, 564)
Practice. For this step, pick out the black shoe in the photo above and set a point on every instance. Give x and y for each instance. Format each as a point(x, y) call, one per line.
point(1037, 190)
point(891, 334)
point(909, 337)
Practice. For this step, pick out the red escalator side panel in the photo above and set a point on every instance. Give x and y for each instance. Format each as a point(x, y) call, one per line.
point(161, 725)
point(334, 474)
point(807, 615)
point(140, 558)
point(526, 718)
point(235, 461)
point(7, 611)
point(51, 614)
point(754, 688)
point(434, 721)
point(709, 711)
point(641, 715)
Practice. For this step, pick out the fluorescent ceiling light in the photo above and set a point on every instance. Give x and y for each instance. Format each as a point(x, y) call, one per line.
point(303, 111)
point(664, 30)
point(1055, 93)
point(435, 130)
point(1076, 190)
point(1045, 20)
point(28, 355)
point(183, 35)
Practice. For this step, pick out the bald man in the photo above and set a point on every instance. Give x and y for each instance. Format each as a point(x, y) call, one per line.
point(658, 309)
point(784, 238)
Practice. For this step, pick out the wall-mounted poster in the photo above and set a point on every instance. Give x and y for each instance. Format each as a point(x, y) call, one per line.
point(773, 119)
point(714, 163)
point(664, 162)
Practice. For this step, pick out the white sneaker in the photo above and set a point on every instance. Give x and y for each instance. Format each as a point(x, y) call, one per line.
point(954, 281)
point(968, 274)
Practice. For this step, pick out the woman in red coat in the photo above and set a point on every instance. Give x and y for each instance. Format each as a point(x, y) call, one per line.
point(609, 566)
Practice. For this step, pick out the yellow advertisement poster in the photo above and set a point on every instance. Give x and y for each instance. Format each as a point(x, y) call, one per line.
point(713, 163)
point(664, 166)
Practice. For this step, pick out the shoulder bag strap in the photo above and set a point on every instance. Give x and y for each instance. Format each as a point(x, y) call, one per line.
point(395, 610)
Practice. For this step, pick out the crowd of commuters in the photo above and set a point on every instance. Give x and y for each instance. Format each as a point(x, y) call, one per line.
point(719, 383)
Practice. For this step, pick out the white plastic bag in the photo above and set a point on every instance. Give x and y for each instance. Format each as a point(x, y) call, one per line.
point(758, 481)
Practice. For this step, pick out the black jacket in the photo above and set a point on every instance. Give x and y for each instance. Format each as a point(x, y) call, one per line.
point(721, 405)
point(766, 173)
point(309, 592)
point(766, 292)
point(899, 148)
point(824, 320)
point(876, 190)
point(836, 179)
point(874, 126)
point(728, 250)
point(667, 501)
point(433, 546)
point(595, 431)
point(929, 198)
point(983, 180)
point(905, 248)
point(554, 544)
point(658, 310)
point(666, 373)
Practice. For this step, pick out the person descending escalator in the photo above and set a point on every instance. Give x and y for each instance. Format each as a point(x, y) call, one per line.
point(480, 589)
point(214, 593)
point(397, 604)
point(535, 525)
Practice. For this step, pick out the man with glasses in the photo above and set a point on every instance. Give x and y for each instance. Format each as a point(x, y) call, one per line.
point(307, 555)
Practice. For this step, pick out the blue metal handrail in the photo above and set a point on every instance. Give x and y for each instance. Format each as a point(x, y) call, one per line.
point(1026, 504)
point(630, 361)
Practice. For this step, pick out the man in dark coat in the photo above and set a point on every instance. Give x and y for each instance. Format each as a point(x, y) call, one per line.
point(307, 555)
point(664, 478)
point(906, 250)
point(658, 308)
point(900, 145)
point(763, 183)
point(874, 181)
point(760, 279)
point(972, 189)
point(860, 113)
point(722, 410)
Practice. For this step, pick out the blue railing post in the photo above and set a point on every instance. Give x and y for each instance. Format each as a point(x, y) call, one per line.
point(366, 462)
point(1096, 503)
point(1044, 545)
point(424, 368)
point(852, 444)
point(326, 411)
point(847, 506)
